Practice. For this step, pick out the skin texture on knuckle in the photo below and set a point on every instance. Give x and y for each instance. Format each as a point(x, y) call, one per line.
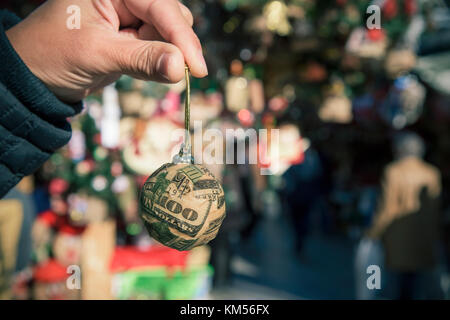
point(176, 66)
point(143, 61)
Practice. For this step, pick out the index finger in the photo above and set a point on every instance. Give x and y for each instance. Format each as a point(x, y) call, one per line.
point(167, 18)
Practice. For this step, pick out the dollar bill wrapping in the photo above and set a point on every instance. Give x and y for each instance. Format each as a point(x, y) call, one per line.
point(182, 205)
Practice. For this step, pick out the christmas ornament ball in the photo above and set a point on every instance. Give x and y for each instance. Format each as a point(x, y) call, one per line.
point(182, 205)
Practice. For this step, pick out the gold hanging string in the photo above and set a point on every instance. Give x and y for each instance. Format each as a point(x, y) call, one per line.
point(185, 154)
point(187, 108)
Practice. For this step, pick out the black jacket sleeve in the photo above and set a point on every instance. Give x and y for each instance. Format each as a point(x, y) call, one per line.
point(33, 122)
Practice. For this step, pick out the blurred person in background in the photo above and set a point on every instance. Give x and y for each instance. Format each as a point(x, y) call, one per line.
point(407, 222)
point(303, 186)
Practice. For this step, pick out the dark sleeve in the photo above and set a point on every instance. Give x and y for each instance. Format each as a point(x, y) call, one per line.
point(33, 122)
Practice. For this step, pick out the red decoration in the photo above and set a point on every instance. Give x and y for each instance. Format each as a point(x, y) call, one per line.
point(50, 272)
point(376, 34)
point(58, 186)
point(60, 223)
point(126, 258)
point(390, 9)
point(246, 118)
point(410, 7)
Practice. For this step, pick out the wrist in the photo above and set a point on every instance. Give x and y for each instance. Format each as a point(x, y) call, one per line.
point(27, 55)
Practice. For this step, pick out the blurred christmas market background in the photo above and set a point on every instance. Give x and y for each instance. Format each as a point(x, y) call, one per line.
point(338, 92)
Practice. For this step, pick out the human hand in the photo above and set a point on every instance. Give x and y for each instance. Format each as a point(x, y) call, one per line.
point(146, 39)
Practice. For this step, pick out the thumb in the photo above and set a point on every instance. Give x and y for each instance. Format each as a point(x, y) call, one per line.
point(146, 60)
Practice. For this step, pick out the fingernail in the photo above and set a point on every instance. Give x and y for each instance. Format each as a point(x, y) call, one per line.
point(203, 67)
point(162, 66)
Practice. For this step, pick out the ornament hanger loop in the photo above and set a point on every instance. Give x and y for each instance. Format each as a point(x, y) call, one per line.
point(185, 154)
